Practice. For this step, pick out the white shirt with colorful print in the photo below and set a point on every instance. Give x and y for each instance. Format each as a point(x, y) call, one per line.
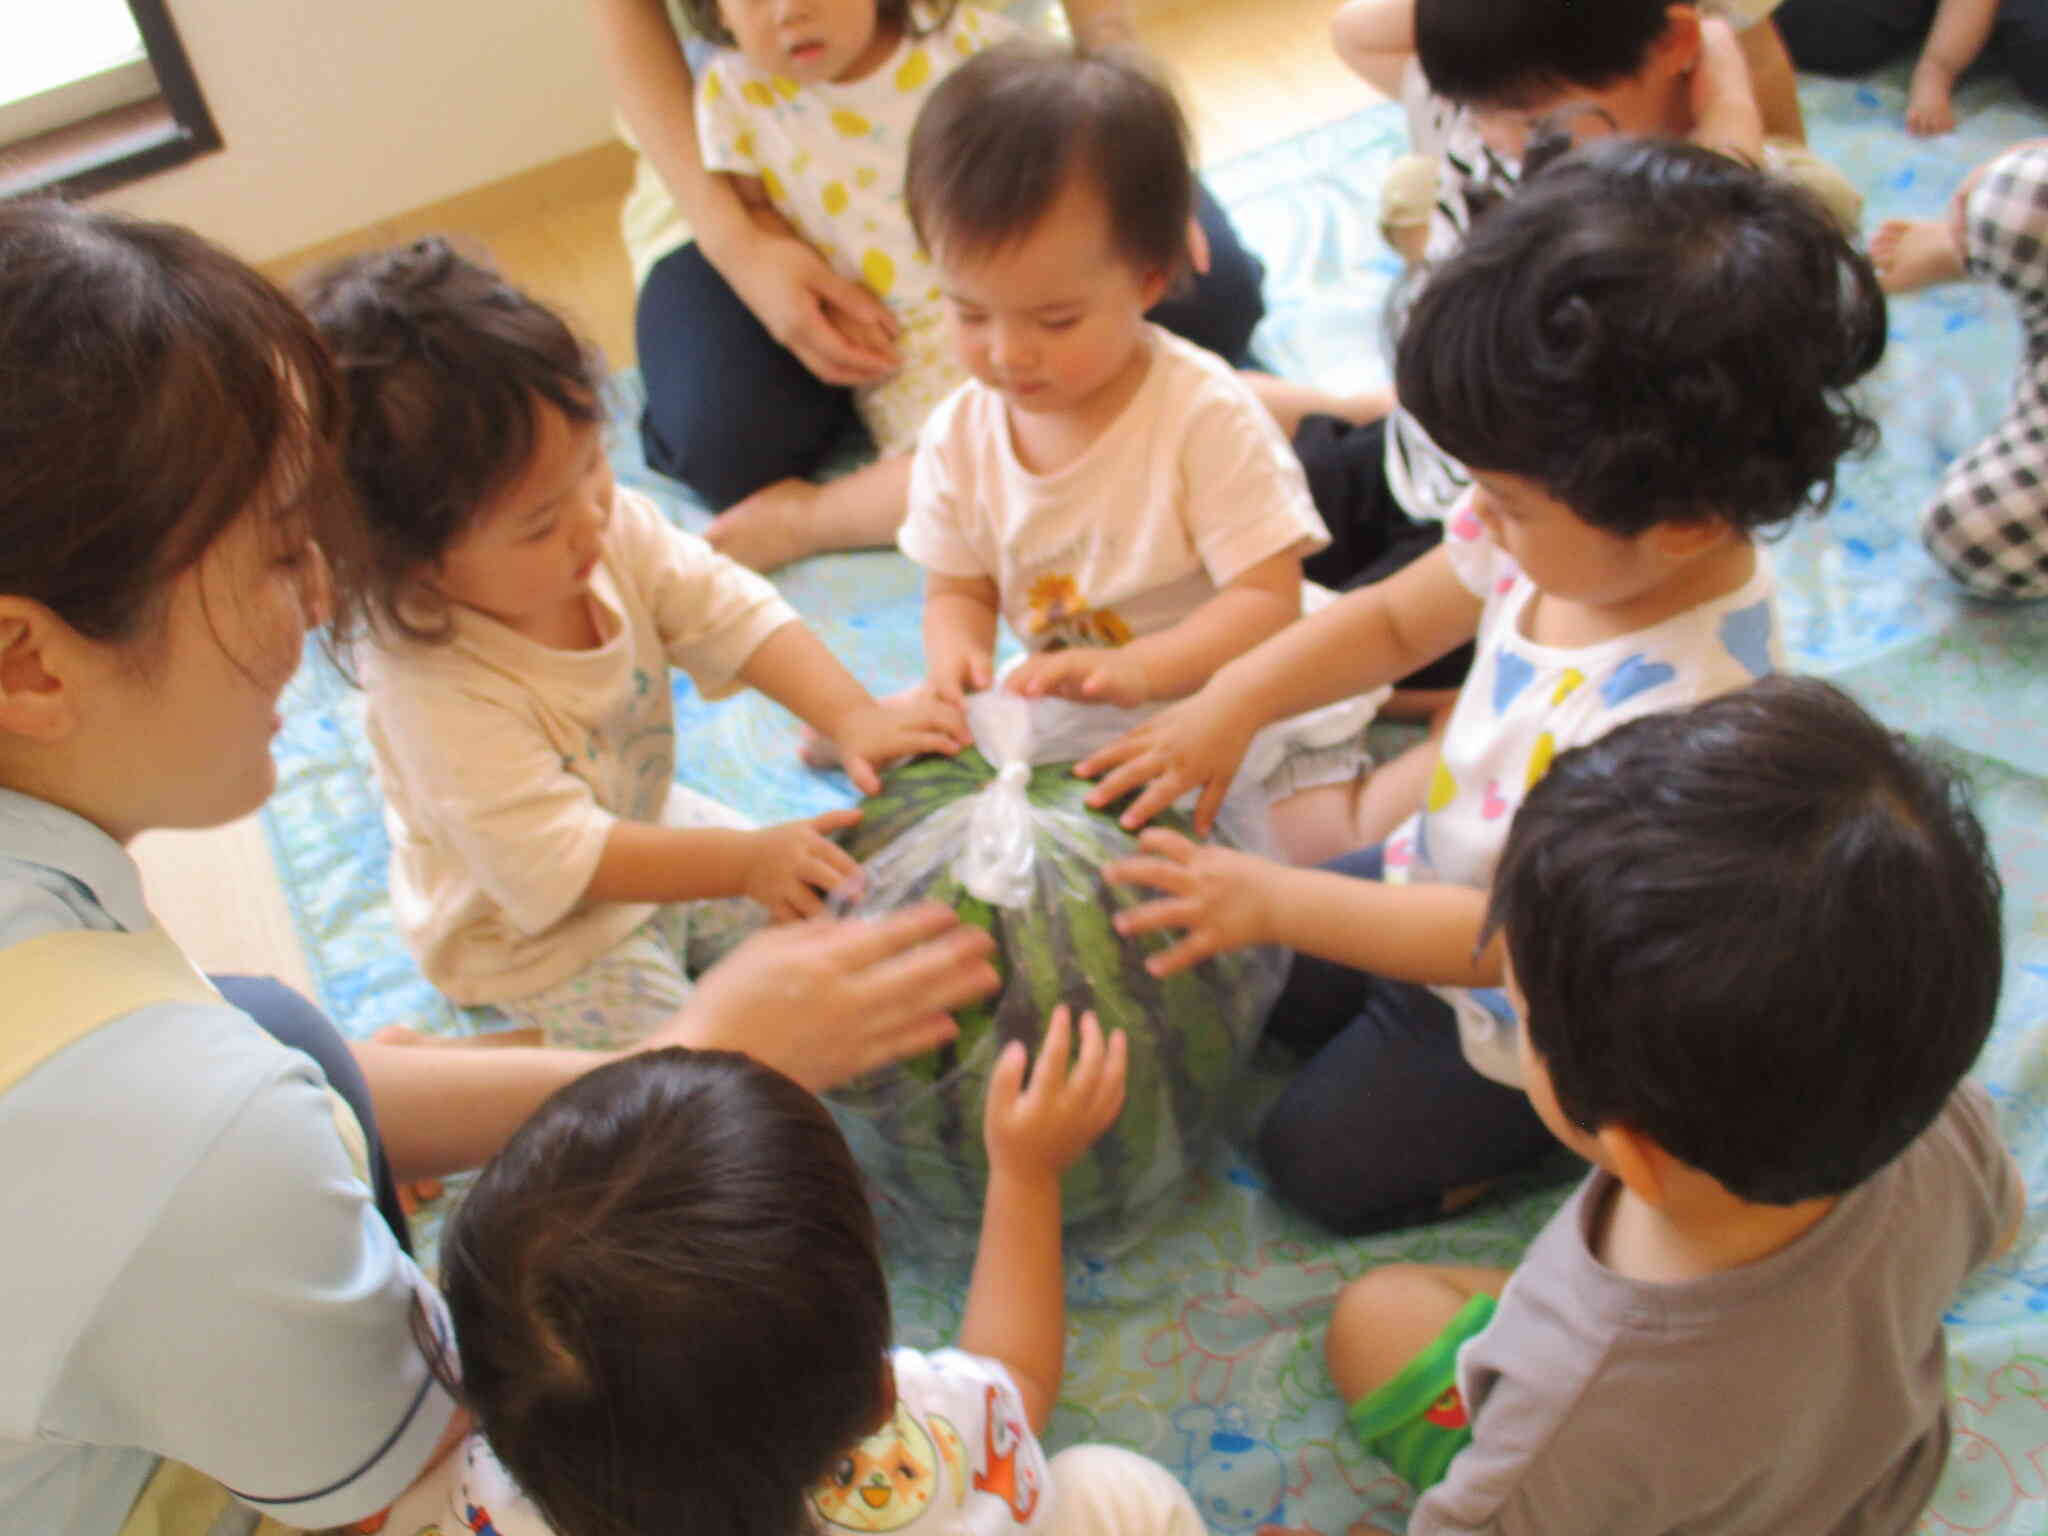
point(830, 157)
point(1523, 703)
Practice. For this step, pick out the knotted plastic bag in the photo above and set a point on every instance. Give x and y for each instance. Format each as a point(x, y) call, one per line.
point(1001, 835)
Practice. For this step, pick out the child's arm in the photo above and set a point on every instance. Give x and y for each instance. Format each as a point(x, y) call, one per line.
point(789, 868)
point(795, 669)
point(1958, 35)
point(1228, 900)
point(1726, 117)
point(959, 634)
point(1362, 640)
point(1377, 39)
point(1773, 80)
point(1175, 662)
point(1016, 1301)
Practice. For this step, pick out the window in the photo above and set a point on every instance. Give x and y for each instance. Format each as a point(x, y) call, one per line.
point(94, 93)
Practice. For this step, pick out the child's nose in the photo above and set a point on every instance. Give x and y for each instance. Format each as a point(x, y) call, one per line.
point(1009, 344)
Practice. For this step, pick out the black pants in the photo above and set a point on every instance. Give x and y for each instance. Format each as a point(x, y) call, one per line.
point(293, 1021)
point(730, 409)
point(1853, 37)
point(1386, 1116)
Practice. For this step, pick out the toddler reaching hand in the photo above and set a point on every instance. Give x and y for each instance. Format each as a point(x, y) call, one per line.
point(525, 614)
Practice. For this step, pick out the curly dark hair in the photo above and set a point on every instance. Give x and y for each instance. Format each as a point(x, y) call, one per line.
point(909, 18)
point(1652, 333)
point(1764, 931)
point(443, 363)
point(668, 1300)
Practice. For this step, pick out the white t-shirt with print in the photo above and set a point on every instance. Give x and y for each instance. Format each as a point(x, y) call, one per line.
point(957, 1458)
point(1523, 703)
point(505, 763)
point(831, 158)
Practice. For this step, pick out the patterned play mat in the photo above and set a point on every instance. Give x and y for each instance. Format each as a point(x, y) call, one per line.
point(1202, 1345)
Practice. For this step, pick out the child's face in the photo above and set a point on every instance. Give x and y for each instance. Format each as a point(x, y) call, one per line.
point(809, 40)
point(1054, 321)
point(528, 557)
point(1562, 554)
point(1638, 105)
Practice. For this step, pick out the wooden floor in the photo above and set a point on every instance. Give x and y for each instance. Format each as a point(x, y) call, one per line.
point(1250, 72)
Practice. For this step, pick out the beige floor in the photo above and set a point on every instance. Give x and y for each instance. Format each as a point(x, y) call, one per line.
point(1250, 71)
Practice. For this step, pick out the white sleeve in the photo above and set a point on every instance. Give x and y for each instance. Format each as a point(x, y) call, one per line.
point(711, 612)
point(1243, 493)
point(1477, 562)
point(722, 137)
point(933, 533)
point(270, 1295)
point(528, 831)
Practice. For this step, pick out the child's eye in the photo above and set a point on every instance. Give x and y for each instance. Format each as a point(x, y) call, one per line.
point(541, 532)
point(1061, 323)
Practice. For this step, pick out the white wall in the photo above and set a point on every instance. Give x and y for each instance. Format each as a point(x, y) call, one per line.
point(338, 113)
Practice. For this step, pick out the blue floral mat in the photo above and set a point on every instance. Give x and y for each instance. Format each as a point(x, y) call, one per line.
point(1202, 1346)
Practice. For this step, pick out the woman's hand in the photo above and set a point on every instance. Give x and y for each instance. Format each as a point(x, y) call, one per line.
point(836, 328)
point(1195, 743)
point(1220, 896)
point(1040, 1130)
point(825, 1001)
point(793, 867)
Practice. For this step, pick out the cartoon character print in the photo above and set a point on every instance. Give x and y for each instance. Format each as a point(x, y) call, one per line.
point(892, 1476)
point(1239, 1483)
point(1061, 619)
point(1009, 1478)
point(1448, 1411)
point(477, 1519)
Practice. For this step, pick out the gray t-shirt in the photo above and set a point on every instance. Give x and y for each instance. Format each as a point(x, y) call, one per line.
point(1806, 1392)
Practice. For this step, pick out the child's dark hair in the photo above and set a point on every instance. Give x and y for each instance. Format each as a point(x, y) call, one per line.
point(994, 145)
point(444, 364)
point(668, 1300)
point(1652, 333)
point(1484, 53)
point(907, 18)
point(1764, 931)
point(152, 390)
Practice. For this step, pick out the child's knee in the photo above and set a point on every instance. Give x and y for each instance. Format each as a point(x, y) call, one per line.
point(1393, 1350)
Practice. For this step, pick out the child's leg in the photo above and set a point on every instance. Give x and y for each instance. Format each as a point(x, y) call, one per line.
point(1392, 1350)
point(619, 998)
point(1105, 1490)
point(1322, 823)
point(793, 518)
point(1911, 254)
point(1407, 202)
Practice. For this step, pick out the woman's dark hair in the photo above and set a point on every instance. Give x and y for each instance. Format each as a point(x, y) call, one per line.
point(995, 144)
point(1652, 333)
point(668, 1300)
point(153, 389)
point(907, 18)
point(444, 364)
point(1519, 53)
point(1764, 931)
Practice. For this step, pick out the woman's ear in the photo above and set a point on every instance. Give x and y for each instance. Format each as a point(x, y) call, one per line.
point(37, 656)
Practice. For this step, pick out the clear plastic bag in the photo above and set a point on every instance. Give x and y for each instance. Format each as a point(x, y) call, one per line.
point(1001, 835)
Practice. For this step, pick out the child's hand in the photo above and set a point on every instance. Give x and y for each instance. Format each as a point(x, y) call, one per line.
point(1928, 107)
point(1217, 894)
point(901, 725)
point(953, 676)
point(1197, 742)
point(1085, 674)
point(795, 865)
point(1725, 115)
point(1043, 1127)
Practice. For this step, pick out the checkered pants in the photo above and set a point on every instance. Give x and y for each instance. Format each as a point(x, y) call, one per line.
point(1988, 524)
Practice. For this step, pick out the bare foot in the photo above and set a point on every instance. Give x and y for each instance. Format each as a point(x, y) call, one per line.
point(1911, 254)
point(770, 528)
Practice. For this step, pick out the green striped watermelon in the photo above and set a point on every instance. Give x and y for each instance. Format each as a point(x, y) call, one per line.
point(917, 1125)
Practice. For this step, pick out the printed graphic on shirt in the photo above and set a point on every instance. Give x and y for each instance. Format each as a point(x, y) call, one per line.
point(1009, 1478)
point(1061, 618)
point(892, 1476)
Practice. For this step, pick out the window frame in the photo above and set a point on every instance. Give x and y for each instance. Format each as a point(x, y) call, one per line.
point(111, 148)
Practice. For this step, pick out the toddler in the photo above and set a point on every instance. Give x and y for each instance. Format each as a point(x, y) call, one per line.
point(1120, 497)
point(525, 615)
point(1853, 37)
point(1754, 946)
point(1644, 354)
point(1988, 524)
point(672, 1316)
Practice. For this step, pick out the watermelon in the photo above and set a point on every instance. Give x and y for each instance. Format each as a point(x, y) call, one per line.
point(916, 1125)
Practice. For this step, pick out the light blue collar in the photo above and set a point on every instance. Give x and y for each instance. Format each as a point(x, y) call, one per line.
point(38, 832)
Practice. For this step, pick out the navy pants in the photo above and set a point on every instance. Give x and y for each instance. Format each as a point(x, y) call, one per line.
point(293, 1021)
point(730, 409)
point(1385, 1116)
point(1853, 37)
